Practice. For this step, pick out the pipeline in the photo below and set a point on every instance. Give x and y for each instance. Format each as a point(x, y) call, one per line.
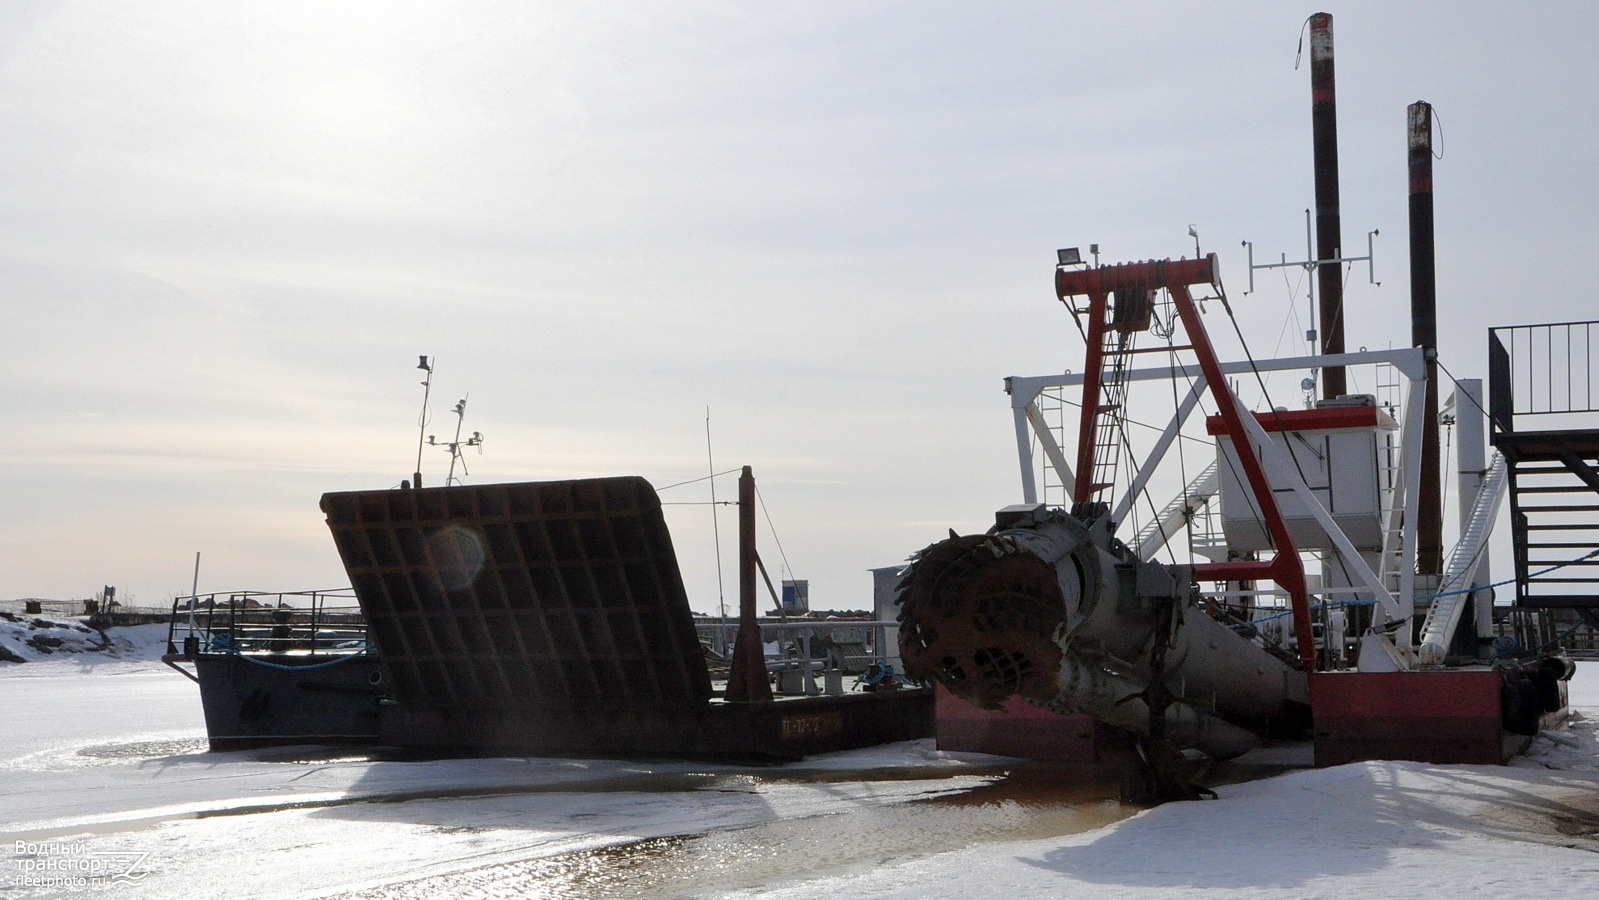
point(1122, 701)
point(1050, 607)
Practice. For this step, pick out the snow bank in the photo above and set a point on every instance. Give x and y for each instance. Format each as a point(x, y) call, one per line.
point(26, 639)
point(1368, 829)
point(1364, 829)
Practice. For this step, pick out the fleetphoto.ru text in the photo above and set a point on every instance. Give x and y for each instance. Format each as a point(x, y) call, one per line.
point(72, 865)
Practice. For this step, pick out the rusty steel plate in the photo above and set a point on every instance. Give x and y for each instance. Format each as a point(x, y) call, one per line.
point(551, 595)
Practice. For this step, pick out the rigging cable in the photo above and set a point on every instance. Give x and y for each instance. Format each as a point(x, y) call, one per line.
point(1293, 311)
point(1063, 401)
point(773, 528)
point(716, 527)
point(696, 480)
point(1255, 368)
point(1182, 467)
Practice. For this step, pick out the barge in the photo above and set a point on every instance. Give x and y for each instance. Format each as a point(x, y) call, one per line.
point(279, 668)
point(544, 618)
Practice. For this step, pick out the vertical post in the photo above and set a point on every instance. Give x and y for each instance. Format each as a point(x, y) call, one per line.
point(747, 680)
point(1024, 453)
point(1424, 334)
point(1088, 415)
point(1471, 444)
point(746, 543)
point(194, 591)
point(1471, 460)
point(316, 618)
point(1410, 540)
point(425, 365)
point(1329, 229)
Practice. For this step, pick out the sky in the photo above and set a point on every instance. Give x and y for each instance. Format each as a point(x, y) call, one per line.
point(227, 232)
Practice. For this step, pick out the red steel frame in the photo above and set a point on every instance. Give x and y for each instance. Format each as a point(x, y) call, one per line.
point(1285, 567)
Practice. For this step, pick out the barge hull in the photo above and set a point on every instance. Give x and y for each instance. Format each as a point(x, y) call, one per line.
point(787, 729)
point(261, 703)
point(550, 618)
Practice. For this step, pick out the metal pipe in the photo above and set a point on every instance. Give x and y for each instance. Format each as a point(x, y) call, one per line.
point(194, 591)
point(1119, 701)
point(1329, 230)
point(1052, 610)
point(425, 365)
point(1424, 334)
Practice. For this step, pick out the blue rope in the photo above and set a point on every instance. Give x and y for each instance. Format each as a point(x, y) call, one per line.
point(885, 672)
point(1560, 637)
point(1472, 590)
point(1289, 612)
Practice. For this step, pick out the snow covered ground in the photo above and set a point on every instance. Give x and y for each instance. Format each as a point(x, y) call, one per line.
point(105, 786)
point(25, 638)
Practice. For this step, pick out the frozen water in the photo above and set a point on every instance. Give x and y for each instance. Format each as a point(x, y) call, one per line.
point(103, 775)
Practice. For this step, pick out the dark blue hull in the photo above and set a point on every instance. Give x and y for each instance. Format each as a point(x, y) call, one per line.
point(259, 700)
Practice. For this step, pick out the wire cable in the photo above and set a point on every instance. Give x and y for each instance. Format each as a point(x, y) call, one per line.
point(1255, 368)
point(716, 525)
point(773, 528)
point(696, 480)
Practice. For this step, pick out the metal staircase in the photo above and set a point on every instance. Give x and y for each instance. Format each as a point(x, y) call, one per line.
point(1177, 513)
point(1544, 412)
point(1444, 613)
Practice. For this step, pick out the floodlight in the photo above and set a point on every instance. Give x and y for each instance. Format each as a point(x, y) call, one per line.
point(1069, 256)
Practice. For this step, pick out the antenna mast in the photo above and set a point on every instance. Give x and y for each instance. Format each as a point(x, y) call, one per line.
point(425, 365)
point(476, 440)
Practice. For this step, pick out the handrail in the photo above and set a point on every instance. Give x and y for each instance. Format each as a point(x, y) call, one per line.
point(1196, 494)
point(320, 622)
point(1443, 614)
point(1541, 370)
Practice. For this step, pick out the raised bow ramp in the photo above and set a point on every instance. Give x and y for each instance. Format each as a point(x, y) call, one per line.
point(551, 617)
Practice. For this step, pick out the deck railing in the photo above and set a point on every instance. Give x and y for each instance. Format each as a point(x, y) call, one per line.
point(306, 622)
point(1538, 370)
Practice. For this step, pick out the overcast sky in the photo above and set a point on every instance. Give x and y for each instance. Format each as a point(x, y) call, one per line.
point(227, 230)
